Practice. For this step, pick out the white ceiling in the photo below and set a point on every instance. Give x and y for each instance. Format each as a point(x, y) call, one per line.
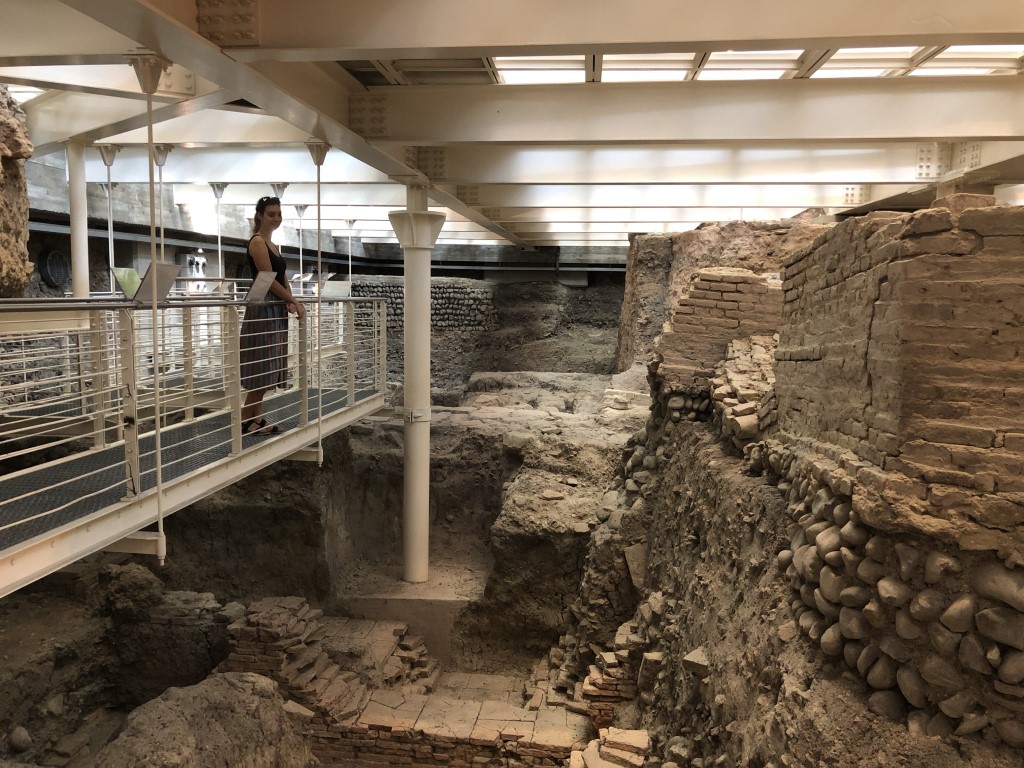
point(665, 113)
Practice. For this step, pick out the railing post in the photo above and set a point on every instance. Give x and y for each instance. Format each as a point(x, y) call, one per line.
point(381, 372)
point(295, 352)
point(304, 353)
point(129, 403)
point(100, 377)
point(80, 366)
point(187, 363)
point(230, 341)
point(349, 308)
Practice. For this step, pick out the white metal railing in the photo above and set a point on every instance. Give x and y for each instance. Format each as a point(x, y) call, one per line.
point(95, 377)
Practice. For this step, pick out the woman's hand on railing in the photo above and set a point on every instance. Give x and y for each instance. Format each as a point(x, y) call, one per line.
point(296, 309)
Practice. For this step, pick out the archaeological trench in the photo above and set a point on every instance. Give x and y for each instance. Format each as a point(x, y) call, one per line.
point(762, 504)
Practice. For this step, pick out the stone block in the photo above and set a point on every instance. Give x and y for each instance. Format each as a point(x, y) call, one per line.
point(958, 202)
point(993, 221)
point(927, 221)
point(954, 433)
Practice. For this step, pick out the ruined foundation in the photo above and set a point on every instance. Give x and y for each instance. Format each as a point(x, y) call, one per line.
point(803, 547)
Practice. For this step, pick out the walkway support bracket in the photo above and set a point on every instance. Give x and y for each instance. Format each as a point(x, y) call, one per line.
point(140, 543)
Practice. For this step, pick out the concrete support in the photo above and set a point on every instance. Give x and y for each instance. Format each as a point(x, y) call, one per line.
point(417, 230)
point(78, 204)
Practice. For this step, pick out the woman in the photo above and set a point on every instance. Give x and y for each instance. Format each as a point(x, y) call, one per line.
point(264, 342)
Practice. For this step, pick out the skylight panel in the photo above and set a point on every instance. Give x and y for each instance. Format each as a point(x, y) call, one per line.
point(753, 59)
point(643, 75)
point(651, 67)
point(898, 57)
point(749, 65)
point(741, 74)
point(837, 73)
point(949, 71)
point(538, 70)
point(997, 59)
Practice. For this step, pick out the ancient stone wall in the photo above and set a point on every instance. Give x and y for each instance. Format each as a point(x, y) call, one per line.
point(721, 304)
point(15, 148)
point(644, 306)
point(455, 303)
point(375, 713)
point(897, 528)
point(659, 268)
point(743, 393)
point(901, 345)
point(896, 449)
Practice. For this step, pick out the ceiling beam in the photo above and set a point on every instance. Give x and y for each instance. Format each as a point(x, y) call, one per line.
point(870, 109)
point(810, 62)
point(329, 30)
point(700, 60)
point(526, 216)
point(161, 33)
point(237, 166)
point(129, 123)
point(388, 71)
point(320, 115)
point(672, 195)
point(922, 55)
point(853, 163)
point(93, 90)
point(63, 60)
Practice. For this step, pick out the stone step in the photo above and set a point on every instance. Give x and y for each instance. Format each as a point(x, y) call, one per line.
point(352, 704)
point(300, 657)
point(306, 677)
point(426, 671)
point(339, 687)
point(411, 643)
point(323, 680)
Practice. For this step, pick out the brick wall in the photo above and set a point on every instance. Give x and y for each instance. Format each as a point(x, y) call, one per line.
point(722, 304)
point(900, 344)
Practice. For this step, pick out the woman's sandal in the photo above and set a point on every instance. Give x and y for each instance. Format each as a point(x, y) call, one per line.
point(251, 427)
point(261, 427)
point(266, 428)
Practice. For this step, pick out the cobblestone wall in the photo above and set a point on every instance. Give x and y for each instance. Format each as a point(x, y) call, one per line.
point(456, 303)
point(898, 452)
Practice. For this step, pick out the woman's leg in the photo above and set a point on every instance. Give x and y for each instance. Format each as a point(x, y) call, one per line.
point(253, 407)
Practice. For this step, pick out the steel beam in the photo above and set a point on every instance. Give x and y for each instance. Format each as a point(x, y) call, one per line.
point(670, 195)
point(89, 119)
point(783, 111)
point(851, 163)
point(327, 30)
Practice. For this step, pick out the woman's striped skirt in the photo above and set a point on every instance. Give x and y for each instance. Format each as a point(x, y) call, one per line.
point(264, 345)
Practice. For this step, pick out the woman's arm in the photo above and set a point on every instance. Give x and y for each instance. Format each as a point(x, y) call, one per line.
point(260, 253)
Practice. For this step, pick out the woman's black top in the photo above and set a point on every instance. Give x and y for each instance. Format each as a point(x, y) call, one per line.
point(277, 263)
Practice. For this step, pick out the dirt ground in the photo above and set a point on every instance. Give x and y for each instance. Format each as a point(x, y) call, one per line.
point(55, 651)
point(530, 430)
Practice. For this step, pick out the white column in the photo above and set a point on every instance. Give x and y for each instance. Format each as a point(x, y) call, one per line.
point(79, 206)
point(417, 230)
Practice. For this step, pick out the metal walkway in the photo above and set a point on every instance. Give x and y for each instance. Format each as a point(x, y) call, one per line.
point(79, 469)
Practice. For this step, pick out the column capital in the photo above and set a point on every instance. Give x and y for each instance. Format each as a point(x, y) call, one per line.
point(417, 229)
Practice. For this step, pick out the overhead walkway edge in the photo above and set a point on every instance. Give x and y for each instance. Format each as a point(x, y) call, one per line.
point(31, 560)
